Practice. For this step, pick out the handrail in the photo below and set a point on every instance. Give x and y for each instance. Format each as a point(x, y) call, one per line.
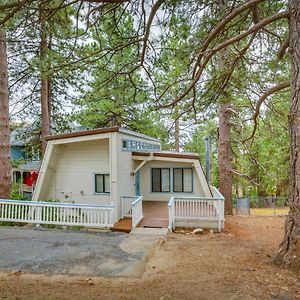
point(137, 211)
point(132, 209)
point(136, 201)
point(198, 198)
point(171, 201)
point(220, 196)
point(42, 203)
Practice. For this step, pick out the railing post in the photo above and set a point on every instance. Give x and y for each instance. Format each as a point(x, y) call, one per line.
point(112, 214)
point(38, 216)
point(122, 207)
point(173, 215)
point(219, 214)
point(171, 210)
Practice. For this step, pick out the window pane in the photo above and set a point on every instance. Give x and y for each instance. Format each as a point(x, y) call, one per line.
point(155, 180)
point(165, 180)
point(99, 183)
point(178, 180)
point(187, 180)
point(106, 184)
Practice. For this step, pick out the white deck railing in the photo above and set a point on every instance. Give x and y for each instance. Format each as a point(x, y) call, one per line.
point(197, 209)
point(100, 216)
point(132, 207)
point(137, 211)
point(126, 209)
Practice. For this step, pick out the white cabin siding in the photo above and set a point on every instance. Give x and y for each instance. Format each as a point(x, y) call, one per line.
point(125, 169)
point(126, 166)
point(146, 181)
point(74, 168)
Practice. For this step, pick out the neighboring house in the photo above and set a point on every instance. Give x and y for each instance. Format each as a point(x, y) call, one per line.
point(125, 169)
point(26, 171)
point(17, 146)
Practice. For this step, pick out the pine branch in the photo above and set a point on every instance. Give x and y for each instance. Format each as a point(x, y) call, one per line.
point(264, 96)
point(210, 53)
point(154, 10)
point(220, 27)
point(282, 50)
point(244, 175)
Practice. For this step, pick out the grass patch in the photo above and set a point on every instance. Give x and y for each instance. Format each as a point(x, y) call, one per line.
point(269, 211)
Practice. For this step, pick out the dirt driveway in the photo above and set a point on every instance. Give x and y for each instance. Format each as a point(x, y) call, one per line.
point(233, 265)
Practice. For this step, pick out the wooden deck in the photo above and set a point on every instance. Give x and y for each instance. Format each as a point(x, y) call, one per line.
point(155, 216)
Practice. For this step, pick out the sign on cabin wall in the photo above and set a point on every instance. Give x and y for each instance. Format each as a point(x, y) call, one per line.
point(132, 145)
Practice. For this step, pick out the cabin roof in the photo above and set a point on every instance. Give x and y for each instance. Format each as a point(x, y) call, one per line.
point(99, 131)
point(169, 154)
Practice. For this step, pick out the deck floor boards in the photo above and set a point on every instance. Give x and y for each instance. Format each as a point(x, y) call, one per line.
point(155, 214)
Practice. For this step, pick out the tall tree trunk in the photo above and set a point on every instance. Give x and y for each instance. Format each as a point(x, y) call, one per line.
point(225, 157)
point(49, 82)
point(45, 116)
point(177, 130)
point(288, 254)
point(5, 166)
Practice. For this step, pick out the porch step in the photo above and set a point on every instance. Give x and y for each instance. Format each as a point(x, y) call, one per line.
point(123, 225)
point(149, 231)
point(154, 222)
point(116, 229)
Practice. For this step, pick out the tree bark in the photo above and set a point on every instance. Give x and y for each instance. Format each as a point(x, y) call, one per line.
point(45, 109)
point(225, 157)
point(5, 165)
point(288, 254)
point(177, 130)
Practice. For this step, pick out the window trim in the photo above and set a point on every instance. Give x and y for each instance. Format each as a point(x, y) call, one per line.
point(183, 180)
point(95, 184)
point(169, 191)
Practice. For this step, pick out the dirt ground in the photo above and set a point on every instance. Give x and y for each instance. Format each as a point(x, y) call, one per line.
point(235, 264)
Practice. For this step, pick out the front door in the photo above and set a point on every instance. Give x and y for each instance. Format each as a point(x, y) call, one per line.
point(137, 184)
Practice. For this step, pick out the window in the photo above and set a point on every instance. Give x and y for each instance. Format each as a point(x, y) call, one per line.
point(160, 180)
point(183, 180)
point(16, 176)
point(102, 184)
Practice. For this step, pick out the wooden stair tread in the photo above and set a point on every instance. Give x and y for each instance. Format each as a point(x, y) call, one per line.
point(123, 225)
